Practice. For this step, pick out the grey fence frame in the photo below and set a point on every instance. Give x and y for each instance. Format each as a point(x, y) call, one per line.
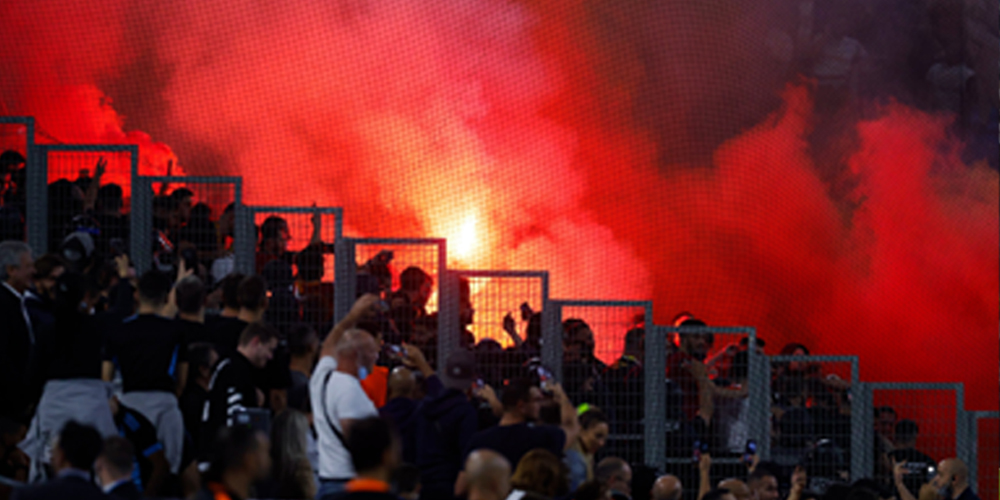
point(245, 244)
point(346, 283)
point(450, 282)
point(37, 217)
point(141, 224)
point(863, 404)
point(860, 447)
point(654, 394)
point(36, 208)
point(972, 454)
point(758, 378)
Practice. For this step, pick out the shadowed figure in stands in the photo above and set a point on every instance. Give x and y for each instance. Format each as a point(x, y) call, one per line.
point(73, 456)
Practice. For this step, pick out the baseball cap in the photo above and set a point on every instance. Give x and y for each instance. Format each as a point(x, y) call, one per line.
point(459, 370)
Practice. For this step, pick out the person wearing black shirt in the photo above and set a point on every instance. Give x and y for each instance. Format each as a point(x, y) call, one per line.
point(239, 458)
point(952, 480)
point(17, 338)
point(517, 433)
point(918, 464)
point(189, 294)
point(151, 353)
point(231, 389)
point(375, 454)
point(202, 358)
point(151, 467)
point(230, 286)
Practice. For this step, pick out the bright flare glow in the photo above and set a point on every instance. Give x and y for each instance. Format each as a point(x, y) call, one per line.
point(463, 243)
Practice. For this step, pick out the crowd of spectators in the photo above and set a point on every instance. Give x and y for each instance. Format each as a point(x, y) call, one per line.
point(133, 389)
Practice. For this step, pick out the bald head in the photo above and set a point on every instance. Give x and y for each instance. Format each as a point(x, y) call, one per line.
point(667, 487)
point(357, 349)
point(402, 383)
point(953, 474)
point(737, 487)
point(488, 475)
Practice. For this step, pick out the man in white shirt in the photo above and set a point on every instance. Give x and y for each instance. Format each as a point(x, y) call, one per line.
point(347, 357)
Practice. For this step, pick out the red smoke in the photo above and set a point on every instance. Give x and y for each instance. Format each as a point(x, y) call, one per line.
point(527, 135)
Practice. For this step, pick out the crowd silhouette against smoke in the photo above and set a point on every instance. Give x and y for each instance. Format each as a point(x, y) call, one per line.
point(822, 171)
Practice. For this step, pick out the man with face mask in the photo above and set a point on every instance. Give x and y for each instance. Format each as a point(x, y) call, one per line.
point(347, 357)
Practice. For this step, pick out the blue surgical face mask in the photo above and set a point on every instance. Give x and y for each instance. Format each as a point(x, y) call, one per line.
point(362, 373)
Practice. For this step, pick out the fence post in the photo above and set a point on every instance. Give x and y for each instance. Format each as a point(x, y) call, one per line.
point(655, 394)
point(448, 321)
point(552, 347)
point(36, 204)
point(141, 225)
point(346, 269)
point(759, 376)
point(862, 431)
point(963, 430)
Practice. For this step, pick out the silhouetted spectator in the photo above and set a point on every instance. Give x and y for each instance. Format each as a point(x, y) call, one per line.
point(616, 474)
point(150, 352)
point(291, 472)
point(251, 302)
point(73, 457)
point(114, 468)
point(374, 451)
point(581, 368)
point(39, 300)
point(315, 295)
point(517, 434)
point(240, 458)
point(303, 350)
point(283, 307)
point(445, 424)
point(274, 238)
point(918, 463)
point(202, 358)
point(17, 338)
point(414, 291)
point(406, 481)
point(400, 409)
point(539, 475)
point(232, 389)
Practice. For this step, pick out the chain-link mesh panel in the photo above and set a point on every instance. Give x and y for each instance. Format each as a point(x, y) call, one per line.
point(189, 219)
point(78, 201)
point(812, 421)
point(405, 273)
point(500, 313)
point(920, 423)
point(293, 251)
point(16, 144)
point(985, 468)
point(602, 359)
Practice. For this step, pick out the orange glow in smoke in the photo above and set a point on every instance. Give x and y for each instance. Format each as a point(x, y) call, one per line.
point(464, 241)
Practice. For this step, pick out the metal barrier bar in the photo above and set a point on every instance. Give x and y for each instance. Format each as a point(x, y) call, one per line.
point(142, 212)
point(35, 216)
point(38, 178)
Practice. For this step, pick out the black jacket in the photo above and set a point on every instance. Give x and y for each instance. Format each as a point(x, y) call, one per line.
point(445, 423)
point(61, 488)
point(15, 352)
point(402, 413)
point(125, 491)
point(230, 391)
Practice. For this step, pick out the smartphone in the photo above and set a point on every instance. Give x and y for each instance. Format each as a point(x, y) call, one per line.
point(480, 384)
point(544, 377)
point(190, 257)
point(396, 350)
point(750, 451)
point(699, 448)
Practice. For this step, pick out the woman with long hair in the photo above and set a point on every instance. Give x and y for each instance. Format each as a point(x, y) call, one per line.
point(291, 472)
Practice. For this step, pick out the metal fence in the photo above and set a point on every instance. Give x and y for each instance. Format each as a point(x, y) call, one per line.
point(500, 313)
point(984, 452)
point(190, 218)
point(810, 398)
point(71, 187)
point(292, 248)
point(17, 134)
point(385, 266)
point(585, 354)
point(937, 409)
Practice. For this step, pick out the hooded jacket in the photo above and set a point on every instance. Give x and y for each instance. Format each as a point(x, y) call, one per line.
point(444, 424)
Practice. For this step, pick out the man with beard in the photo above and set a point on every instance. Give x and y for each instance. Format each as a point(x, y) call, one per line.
point(687, 369)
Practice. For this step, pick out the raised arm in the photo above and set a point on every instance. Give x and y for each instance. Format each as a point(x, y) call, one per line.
point(363, 308)
point(568, 421)
point(90, 197)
